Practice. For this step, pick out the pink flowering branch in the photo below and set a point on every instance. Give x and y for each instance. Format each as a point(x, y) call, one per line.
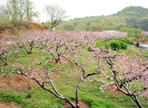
point(6, 51)
point(129, 77)
point(45, 79)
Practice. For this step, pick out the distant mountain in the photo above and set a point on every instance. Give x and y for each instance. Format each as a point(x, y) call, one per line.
point(132, 17)
point(133, 11)
point(135, 16)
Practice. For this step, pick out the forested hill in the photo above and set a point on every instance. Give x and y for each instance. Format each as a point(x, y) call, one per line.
point(133, 11)
point(133, 17)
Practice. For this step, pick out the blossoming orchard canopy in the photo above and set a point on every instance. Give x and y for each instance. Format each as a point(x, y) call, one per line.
point(110, 31)
point(111, 35)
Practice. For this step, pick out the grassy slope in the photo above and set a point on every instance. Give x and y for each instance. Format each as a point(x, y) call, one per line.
point(89, 91)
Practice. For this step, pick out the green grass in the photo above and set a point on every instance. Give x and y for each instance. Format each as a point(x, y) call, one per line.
point(42, 98)
point(12, 97)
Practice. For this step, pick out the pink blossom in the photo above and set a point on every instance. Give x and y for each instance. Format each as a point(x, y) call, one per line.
point(106, 87)
point(119, 77)
point(111, 78)
point(51, 80)
point(89, 80)
point(100, 80)
point(100, 59)
point(106, 96)
point(15, 51)
point(115, 88)
point(101, 90)
point(29, 69)
point(107, 77)
point(123, 54)
point(114, 66)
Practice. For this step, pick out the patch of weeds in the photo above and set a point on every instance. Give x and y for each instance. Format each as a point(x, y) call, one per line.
point(29, 95)
point(32, 86)
point(52, 65)
point(1, 61)
point(11, 96)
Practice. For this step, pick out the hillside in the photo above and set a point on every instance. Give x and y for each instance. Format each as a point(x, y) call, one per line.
point(133, 11)
point(133, 17)
point(11, 27)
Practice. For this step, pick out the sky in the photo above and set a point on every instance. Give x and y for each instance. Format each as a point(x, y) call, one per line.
point(83, 8)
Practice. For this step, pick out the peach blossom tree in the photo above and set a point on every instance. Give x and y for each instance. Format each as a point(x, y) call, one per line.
point(129, 74)
point(124, 71)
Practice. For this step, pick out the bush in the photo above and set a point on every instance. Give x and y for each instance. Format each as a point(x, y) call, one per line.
point(123, 45)
point(124, 41)
point(107, 44)
point(100, 43)
point(115, 45)
point(127, 41)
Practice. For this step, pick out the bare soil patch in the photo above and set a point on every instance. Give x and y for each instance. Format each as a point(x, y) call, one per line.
point(5, 105)
point(17, 82)
point(116, 92)
point(34, 53)
point(23, 28)
point(60, 63)
point(1, 33)
point(2, 65)
point(144, 41)
point(81, 104)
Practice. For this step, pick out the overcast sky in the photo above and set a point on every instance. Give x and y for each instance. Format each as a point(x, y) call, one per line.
point(82, 8)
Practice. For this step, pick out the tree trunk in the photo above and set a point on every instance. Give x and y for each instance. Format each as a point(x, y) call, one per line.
point(4, 61)
point(137, 101)
point(57, 60)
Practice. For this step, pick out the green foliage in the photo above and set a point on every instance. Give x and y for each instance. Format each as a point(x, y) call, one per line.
point(21, 10)
point(138, 36)
point(29, 96)
point(13, 26)
point(131, 31)
point(47, 25)
point(89, 49)
point(115, 44)
point(69, 26)
point(127, 41)
point(135, 16)
point(123, 45)
point(106, 44)
point(132, 17)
